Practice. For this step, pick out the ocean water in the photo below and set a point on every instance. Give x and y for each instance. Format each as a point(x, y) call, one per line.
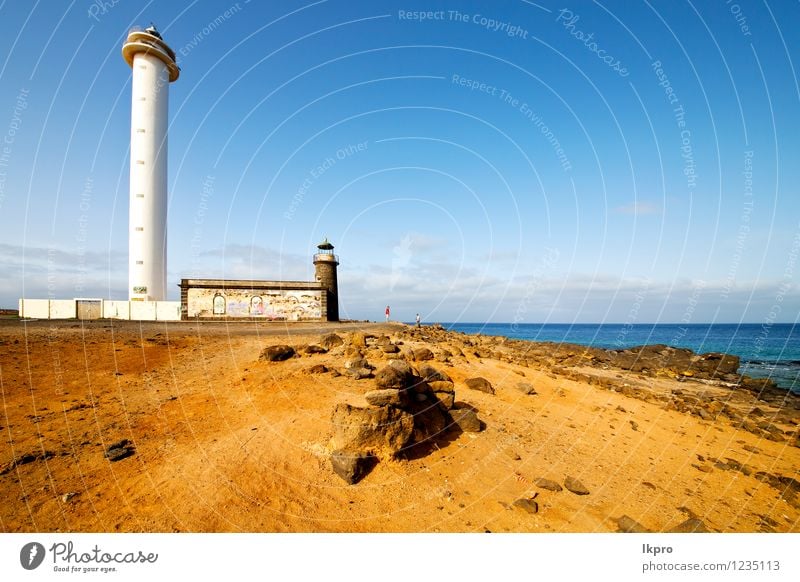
point(766, 351)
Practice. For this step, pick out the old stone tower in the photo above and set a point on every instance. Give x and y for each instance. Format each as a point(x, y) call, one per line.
point(325, 264)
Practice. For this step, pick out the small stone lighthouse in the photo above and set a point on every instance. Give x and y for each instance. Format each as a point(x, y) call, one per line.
point(325, 264)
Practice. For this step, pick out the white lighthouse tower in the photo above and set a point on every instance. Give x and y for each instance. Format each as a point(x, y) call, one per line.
point(154, 68)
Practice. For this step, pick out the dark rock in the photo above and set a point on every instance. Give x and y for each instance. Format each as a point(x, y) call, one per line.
point(543, 483)
point(390, 377)
point(276, 353)
point(420, 354)
point(431, 374)
point(352, 467)
point(691, 525)
point(318, 369)
point(382, 431)
point(387, 397)
point(315, 349)
point(119, 450)
point(629, 525)
point(466, 420)
point(527, 505)
point(430, 421)
point(480, 384)
point(526, 388)
point(330, 340)
point(575, 486)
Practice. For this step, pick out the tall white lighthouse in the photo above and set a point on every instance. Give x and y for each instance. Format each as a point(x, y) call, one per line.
point(154, 68)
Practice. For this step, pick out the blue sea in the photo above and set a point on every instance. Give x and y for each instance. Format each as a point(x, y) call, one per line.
point(766, 351)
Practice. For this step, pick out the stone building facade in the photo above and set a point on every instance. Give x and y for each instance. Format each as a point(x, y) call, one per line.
point(226, 299)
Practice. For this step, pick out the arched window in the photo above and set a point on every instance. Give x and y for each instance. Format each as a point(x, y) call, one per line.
point(219, 304)
point(256, 305)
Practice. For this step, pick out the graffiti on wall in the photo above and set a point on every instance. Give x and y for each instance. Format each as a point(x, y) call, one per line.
point(275, 305)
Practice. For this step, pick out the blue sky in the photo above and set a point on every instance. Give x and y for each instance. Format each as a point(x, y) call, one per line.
point(504, 161)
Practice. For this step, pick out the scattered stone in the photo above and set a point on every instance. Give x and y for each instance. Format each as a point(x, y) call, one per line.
point(389, 348)
point(420, 354)
point(381, 431)
point(358, 339)
point(277, 353)
point(446, 399)
point(548, 484)
point(393, 377)
point(575, 486)
point(119, 450)
point(431, 374)
point(318, 369)
point(527, 505)
point(330, 340)
point(352, 467)
point(751, 449)
point(442, 387)
point(359, 373)
point(402, 366)
point(315, 349)
point(629, 525)
point(480, 384)
point(649, 485)
point(526, 388)
point(67, 497)
point(355, 362)
point(634, 424)
point(387, 397)
point(691, 525)
point(466, 419)
point(703, 468)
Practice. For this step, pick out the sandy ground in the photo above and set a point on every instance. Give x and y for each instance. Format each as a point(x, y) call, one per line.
point(227, 443)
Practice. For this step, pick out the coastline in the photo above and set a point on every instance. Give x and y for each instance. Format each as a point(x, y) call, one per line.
point(223, 441)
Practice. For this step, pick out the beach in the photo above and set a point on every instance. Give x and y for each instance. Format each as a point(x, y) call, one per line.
point(215, 438)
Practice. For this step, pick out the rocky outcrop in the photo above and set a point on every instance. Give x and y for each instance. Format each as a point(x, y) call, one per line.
point(408, 408)
point(383, 431)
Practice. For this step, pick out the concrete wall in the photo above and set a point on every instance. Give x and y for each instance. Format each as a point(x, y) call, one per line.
point(271, 304)
point(168, 310)
point(34, 308)
point(63, 309)
point(116, 309)
point(143, 310)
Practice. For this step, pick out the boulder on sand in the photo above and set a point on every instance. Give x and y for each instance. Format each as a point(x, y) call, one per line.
point(480, 384)
point(276, 353)
point(381, 431)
